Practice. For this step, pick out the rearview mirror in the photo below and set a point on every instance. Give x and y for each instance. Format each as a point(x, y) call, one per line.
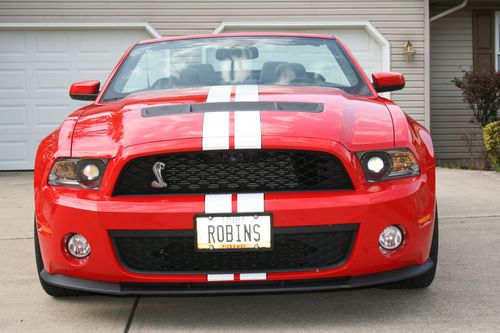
point(236, 53)
point(85, 90)
point(383, 82)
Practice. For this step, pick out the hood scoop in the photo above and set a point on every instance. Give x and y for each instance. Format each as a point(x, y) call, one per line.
point(165, 110)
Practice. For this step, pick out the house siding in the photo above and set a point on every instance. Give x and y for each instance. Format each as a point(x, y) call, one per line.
point(397, 20)
point(451, 54)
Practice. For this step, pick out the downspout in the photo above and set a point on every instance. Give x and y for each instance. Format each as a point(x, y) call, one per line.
point(427, 66)
point(449, 11)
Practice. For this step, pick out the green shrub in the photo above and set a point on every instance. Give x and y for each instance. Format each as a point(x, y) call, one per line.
point(491, 139)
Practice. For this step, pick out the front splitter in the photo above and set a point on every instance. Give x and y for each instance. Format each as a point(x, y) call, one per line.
point(218, 288)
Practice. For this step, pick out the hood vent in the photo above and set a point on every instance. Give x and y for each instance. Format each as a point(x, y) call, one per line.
point(165, 110)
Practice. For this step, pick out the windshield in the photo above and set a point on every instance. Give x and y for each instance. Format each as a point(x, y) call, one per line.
point(283, 61)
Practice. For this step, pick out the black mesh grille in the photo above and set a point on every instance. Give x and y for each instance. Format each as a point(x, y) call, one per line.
point(291, 251)
point(230, 171)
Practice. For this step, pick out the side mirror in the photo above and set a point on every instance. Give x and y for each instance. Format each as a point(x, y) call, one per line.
point(383, 82)
point(84, 90)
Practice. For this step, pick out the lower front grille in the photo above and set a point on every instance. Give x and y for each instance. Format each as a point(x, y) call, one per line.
point(299, 248)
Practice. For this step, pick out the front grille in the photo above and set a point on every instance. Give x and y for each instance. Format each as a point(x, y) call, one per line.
point(293, 249)
point(230, 171)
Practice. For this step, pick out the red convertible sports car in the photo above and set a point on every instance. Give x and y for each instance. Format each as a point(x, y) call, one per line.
point(236, 163)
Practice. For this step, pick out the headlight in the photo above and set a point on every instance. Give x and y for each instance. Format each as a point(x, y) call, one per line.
point(83, 172)
point(380, 165)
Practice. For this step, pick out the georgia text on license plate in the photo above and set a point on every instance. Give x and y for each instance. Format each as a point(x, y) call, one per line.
point(233, 232)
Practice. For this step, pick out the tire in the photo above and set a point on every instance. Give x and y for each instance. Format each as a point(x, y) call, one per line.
point(424, 280)
point(47, 287)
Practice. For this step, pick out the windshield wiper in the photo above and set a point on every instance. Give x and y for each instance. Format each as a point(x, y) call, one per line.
point(111, 99)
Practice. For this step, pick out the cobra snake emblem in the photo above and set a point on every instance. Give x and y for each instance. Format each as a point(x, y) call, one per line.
point(158, 167)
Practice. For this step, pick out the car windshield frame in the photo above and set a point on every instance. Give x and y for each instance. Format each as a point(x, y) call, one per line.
point(344, 62)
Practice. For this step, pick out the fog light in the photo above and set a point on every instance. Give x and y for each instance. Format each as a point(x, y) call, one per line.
point(78, 246)
point(390, 238)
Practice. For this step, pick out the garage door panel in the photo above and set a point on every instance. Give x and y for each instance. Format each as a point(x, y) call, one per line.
point(37, 68)
point(33, 115)
point(360, 40)
point(50, 115)
point(13, 116)
point(51, 79)
point(16, 43)
point(62, 46)
point(93, 73)
point(52, 42)
point(14, 151)
point(98, 44)
point(41, 80)
point(12, 80)
point(24, 132)
point(56, 58)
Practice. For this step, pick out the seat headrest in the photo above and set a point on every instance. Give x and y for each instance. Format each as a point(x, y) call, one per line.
point(284, 70)
point(190, 75)
point(268, 71)
point(207, 73)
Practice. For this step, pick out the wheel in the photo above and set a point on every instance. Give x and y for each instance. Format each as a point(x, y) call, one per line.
point(48, 288)
point(424, 280)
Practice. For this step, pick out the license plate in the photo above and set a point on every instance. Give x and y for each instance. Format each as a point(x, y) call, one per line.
point(233, 232)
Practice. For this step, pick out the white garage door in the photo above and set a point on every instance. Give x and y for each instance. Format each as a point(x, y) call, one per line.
point(364, 47)
point(36, 70)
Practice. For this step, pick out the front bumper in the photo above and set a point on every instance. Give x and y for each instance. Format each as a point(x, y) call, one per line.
point(406, 202)
point(114, 288)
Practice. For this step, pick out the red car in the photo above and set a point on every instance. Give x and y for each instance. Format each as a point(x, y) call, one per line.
point(236, 163)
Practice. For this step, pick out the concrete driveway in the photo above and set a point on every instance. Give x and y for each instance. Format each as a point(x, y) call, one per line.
point(464, 297)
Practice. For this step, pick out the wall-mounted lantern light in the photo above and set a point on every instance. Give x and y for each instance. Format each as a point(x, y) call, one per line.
point(408, 51)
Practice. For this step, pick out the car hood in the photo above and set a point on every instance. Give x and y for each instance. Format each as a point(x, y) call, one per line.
point(358, 123)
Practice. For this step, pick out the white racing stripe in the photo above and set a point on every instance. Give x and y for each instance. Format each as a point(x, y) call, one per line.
point(247, 130)
point(248, 93)
point(247, 127)
point(216, 124)
point(253, 276)
point(218, 203)
point(247, 135)
point(220, 277)
point(219, 94)
point(250, 203)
